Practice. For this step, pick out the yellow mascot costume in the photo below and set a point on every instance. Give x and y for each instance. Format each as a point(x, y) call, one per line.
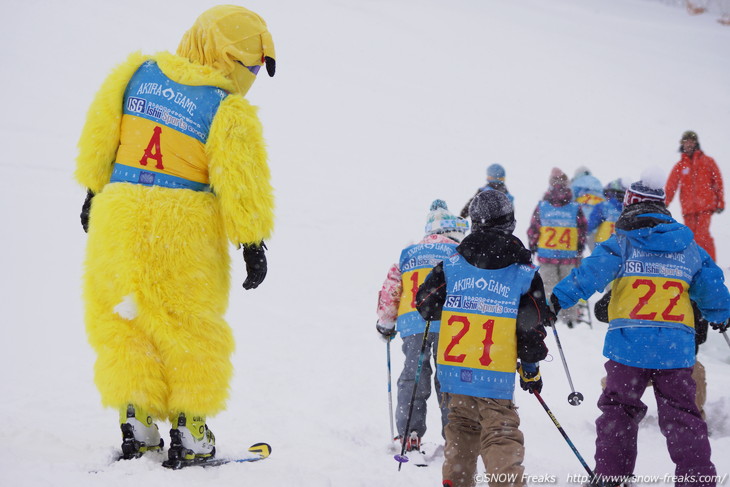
point(174, 161)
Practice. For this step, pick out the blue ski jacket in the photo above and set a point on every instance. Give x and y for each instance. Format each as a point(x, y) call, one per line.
point(657, 269)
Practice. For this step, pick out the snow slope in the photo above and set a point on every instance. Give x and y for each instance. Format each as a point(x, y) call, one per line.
point(378, 107)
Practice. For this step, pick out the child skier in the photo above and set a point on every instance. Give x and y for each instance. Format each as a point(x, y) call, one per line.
point(602, 219)
point(175, 165)
point(495, 180)
point(656, 268)
point(557, 233)
point(491, 303)
point(397, 314)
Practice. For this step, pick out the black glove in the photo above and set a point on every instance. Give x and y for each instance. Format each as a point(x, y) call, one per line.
point(530, 381)
point(555, 304)
point(719, 210)
point(85, 209)
point(255, 259)
point(386, 332)
point(600, 309)
point(721, 327)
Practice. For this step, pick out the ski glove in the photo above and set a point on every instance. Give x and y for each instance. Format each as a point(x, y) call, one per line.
point(530, 381)
point(387, 332)
point(721, 327)
point(85, 209)
point(255, 259)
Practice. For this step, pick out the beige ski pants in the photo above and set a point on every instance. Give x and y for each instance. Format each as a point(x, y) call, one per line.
point(488, 428)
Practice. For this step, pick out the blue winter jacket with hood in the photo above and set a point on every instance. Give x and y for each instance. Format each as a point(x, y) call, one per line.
point(650, 243)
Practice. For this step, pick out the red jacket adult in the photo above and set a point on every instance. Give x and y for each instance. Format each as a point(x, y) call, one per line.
point(700, 181)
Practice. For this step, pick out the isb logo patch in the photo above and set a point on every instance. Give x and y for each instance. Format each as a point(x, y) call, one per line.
point(466, 375)
point(136, 104)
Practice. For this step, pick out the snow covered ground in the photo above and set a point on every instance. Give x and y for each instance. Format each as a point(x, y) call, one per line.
point(378, 107)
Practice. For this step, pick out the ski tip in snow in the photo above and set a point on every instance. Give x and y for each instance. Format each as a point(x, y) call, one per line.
point(261, 449)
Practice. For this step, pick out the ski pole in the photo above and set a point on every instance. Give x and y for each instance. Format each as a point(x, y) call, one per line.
point(565, 435)
point(726, 338)
point(574, 398)
point(390, 393)
point(402, 458)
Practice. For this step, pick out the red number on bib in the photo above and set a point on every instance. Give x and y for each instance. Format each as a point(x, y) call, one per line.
point(651, 290)
point(456, 339)
point(488, 326)
point(485, 359)
point(565, 238)
point(666, 314)
point(550, 242)
point(414, 289)
point(643, 300)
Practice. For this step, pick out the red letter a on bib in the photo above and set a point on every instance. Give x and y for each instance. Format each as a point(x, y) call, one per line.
point(154, 145)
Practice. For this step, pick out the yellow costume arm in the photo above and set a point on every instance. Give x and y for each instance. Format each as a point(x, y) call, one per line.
point(239, 173)
point(100, 136)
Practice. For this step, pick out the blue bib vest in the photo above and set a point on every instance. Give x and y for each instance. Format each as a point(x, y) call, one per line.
point(416, 262)
point(558, 231)
point(164, 128)
point(477, 352)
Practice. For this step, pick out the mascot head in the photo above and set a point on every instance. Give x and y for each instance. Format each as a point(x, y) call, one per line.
point(233, 40)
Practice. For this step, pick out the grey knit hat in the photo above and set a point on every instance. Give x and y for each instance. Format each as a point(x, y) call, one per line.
point(492, 209)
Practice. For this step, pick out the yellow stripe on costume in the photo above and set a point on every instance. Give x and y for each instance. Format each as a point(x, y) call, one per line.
point(477, 341)
point(651, 298)
point(558, 238)
point(157, 148)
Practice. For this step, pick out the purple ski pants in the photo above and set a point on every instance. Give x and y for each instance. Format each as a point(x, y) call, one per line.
point(679, 420)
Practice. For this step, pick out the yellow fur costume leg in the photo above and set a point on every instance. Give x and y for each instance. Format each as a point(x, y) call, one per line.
point(156, 287)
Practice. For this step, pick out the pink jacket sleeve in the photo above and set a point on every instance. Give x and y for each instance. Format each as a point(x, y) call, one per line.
point(389, 297)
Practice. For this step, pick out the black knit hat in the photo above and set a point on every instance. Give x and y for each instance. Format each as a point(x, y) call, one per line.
point(492, 209)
